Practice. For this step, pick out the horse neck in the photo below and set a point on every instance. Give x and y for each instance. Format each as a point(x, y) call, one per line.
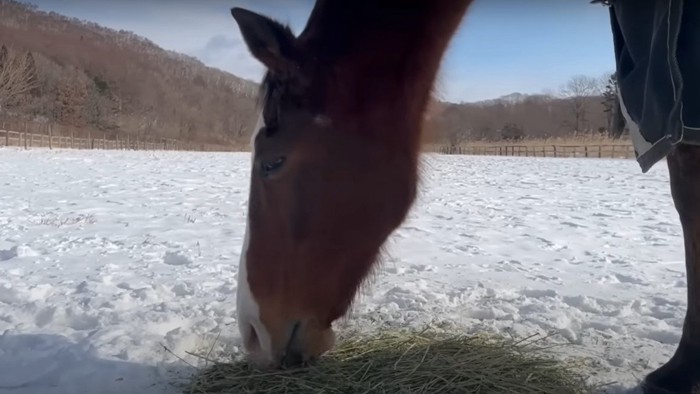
point(381, 58)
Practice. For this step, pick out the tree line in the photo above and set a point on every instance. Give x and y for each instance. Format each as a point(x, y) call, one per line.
point(584, 105)
point(60, 70)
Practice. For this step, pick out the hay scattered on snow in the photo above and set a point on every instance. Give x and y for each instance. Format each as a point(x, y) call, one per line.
point(406, 362)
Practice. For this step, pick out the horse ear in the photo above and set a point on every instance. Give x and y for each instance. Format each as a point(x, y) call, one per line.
point(267, 40)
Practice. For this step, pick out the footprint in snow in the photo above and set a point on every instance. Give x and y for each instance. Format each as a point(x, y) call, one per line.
point(17, 251)
point(8, 254)
point(174, 258)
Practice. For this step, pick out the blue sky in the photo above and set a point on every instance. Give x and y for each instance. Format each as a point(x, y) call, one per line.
point(502, 47)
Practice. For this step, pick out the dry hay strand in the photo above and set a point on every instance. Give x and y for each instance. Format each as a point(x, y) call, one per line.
point(406, 362)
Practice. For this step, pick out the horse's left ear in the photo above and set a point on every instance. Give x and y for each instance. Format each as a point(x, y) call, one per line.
point(269, 41)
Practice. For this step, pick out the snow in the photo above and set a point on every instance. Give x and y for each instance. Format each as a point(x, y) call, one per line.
point(108, 258)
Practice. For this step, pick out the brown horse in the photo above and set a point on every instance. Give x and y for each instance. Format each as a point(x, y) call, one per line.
point(335, 171)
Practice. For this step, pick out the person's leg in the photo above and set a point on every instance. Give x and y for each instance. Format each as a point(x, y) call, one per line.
point(682, 373)
point(657, 49)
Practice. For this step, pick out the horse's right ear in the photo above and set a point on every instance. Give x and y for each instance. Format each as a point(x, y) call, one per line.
point(267, 40)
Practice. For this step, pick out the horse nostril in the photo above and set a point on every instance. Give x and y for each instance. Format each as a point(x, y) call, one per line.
point(293, 359)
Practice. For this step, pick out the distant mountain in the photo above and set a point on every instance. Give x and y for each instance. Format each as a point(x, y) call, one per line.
point(94, 78)
point(513, 98)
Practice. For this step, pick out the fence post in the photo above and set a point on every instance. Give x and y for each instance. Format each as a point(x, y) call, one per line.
point(50, 142)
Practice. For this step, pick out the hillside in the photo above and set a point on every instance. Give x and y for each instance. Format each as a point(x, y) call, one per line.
point(87, 78)
point(90, 77)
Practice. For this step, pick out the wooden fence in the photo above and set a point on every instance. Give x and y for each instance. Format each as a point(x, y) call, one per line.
point(617, 151)
point(30, 140)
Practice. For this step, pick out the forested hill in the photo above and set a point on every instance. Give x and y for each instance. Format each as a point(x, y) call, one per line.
point(85, 76)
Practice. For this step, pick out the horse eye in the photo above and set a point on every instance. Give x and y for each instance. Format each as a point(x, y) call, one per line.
point(270, 167)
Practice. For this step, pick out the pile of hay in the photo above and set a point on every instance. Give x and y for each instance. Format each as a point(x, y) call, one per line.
point(405, 362)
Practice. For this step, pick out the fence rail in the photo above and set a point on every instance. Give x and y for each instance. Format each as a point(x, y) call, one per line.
point(26, 140)
point(617, 151)
point(30, 140)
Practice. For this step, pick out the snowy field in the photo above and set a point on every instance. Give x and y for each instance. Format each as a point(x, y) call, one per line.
point(107, 258)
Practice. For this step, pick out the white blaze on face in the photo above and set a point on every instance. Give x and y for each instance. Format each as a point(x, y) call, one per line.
point(246, 306)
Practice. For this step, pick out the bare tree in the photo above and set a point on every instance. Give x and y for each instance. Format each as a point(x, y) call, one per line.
point(71, 98)
point(610, 101)
point(512, 132)
point(578, 91)
point(454, 127)
point(616, 126)
point(17, 76)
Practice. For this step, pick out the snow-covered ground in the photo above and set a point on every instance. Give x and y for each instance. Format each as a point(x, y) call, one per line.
point(107, 258)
